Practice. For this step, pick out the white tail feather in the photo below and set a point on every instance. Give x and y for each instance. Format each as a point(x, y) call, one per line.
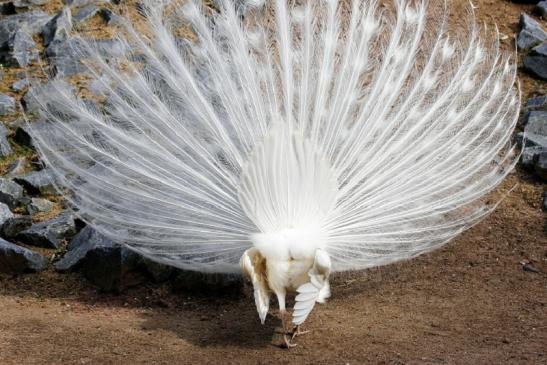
point(401, 128)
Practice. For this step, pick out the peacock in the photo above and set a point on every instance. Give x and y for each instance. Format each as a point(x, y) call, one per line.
point(285, 139)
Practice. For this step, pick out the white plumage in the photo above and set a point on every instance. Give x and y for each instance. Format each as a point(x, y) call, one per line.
point(315, 143)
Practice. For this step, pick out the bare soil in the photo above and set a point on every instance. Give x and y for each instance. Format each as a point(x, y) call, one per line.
point(482, 299)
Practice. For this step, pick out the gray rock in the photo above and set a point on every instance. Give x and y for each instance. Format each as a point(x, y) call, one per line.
point(5, 148)
point(24, 201)
point(49, 234)
point(541, 9)
point(17, 259)
point(62, 56)
point(27, 3)
point(16, 167)
point(85, 241)
point(5, 213)
point(159, 272)
point(38, 205)
point(86, 13)
point(10, 192)
point(81, 3)
point(243, 7)
point(58, 28)
point(67, 61)
point(537, 103)
point(22, 137)
point(536, 123)
point(15, 225)
point(36, 182)
point(198, 281)
point(541, 165)
point(536, 61)
point(531, 140)
point(20, 49)
point(531, 33)
point(33, 21)
point(110, 18)
point(536, 118)
point(7, 8)
point(112, 48)
point(535, 130)
point(528, 267)
point(20, 85)
point(29, 103)
point(7, 104)
point(530, 155)
point(105, 263)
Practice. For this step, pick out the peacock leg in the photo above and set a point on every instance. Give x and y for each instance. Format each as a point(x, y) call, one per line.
point(285, 319)
point(287, 330)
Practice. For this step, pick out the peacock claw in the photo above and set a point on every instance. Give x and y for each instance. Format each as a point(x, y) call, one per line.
point(298, 332)
point(288, 343)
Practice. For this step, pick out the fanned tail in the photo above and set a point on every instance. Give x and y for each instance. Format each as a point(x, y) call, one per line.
point(413, 124)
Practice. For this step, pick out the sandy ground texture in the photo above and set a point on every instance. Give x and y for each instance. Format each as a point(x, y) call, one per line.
point(480, 300)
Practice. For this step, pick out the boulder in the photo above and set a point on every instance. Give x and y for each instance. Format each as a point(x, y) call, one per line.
point(541, 165)
point(5, 147)
point(531, 33)
point(22, 137)
point(36, 182)
point(49, 234)
point(32, 21)
point(67, 61)
point(58, 28)
point(28, 3)
point(7, 104)
point(536, 118)
point(535, 130)
point(536, 61)
point(10, 192)
point(536, 123)
point(7, 8)
point(17, 167)
point(5, 214)
point(541, 9)
point(86, 13)
point(530, 155)
point(17, 259)
point(20, 85)
point(81, 3)
point(207, 282)
point(20, 49)
point(105, 263)
point(62, 57)
point(15, 225)
point(537, 103)
point(243, 7)
point(110, 17)
point(38, 205)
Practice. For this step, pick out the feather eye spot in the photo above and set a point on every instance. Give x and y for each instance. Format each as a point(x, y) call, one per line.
point(447, 51)
point(298, 15)
point(468, 85)
point(411, 15)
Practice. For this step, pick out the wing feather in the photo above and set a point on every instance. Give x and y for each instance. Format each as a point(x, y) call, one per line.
point(252, 264)
point(316, 290)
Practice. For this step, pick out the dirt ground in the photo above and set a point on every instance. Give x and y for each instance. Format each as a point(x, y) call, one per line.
point(479, 300)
